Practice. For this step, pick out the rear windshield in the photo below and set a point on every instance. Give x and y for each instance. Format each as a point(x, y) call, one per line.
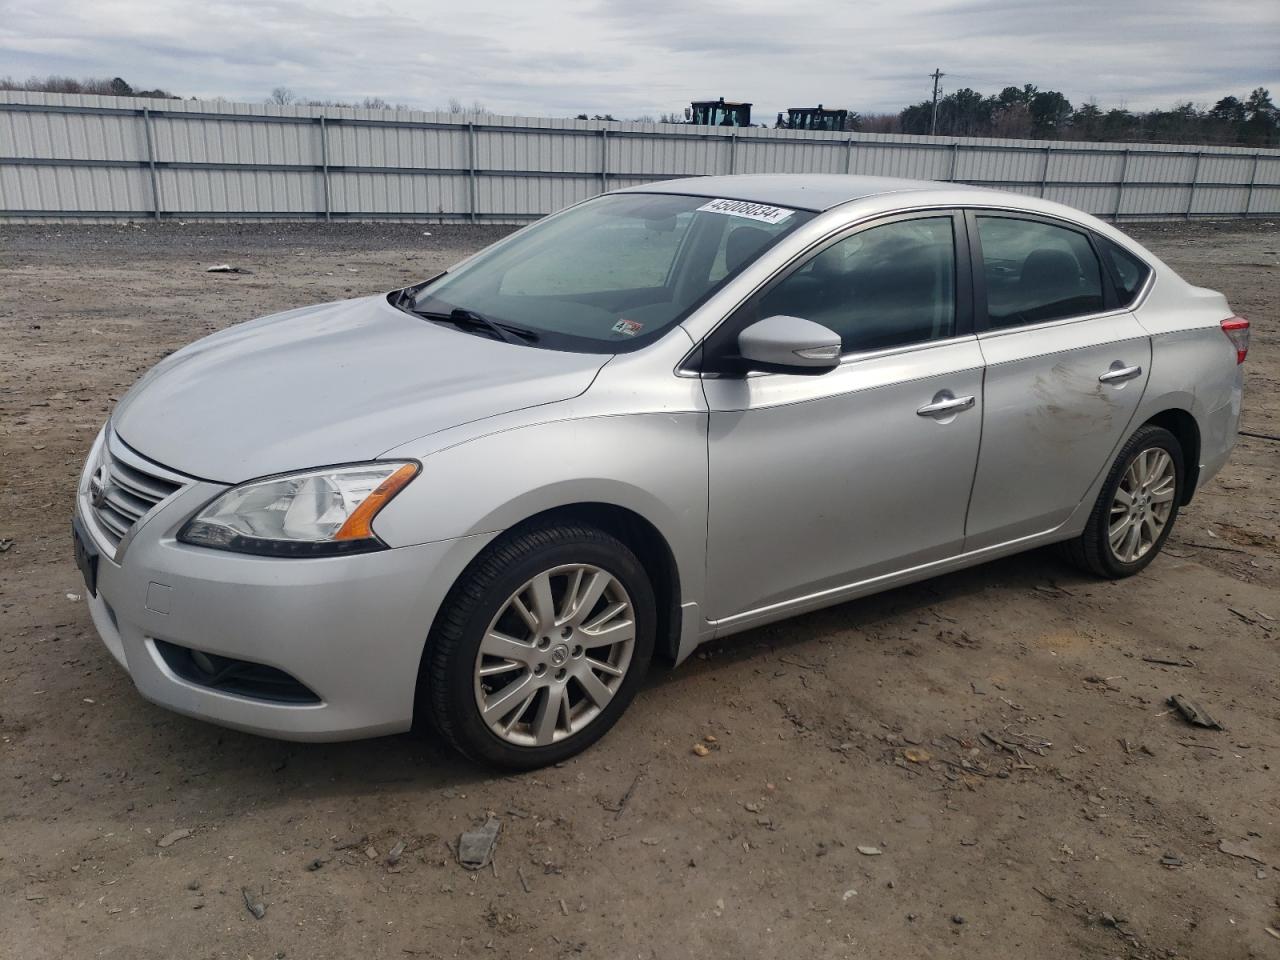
point(615, 272)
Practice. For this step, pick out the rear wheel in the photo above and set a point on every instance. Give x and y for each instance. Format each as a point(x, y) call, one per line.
point(540, 647)
point(1136, 508)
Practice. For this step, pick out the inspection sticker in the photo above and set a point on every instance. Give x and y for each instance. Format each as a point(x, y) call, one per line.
point(745, 208)
point(628, 328)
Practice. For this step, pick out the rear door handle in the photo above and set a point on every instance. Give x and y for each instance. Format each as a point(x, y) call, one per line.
point(944, 405)
point(1119, 373)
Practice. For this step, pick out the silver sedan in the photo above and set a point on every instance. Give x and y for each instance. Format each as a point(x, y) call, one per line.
point(486, 502)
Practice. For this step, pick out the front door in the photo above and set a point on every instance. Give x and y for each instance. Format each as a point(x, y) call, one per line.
point(818, 482)
point(1065, 372)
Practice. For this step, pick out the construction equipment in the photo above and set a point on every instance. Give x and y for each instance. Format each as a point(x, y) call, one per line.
point(718, 113)
point(814, 118)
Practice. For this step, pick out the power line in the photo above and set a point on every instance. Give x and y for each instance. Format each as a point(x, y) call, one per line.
point(933, 123)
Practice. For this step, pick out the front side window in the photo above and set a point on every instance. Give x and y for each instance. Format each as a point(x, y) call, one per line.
point(611, 273)
point(882, 287)
point(1037, 271)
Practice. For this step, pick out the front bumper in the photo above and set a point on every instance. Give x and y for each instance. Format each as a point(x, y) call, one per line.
point(351, 628)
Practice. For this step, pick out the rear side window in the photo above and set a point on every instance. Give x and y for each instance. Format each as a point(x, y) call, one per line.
point(1129, 272)
point(1037, 271)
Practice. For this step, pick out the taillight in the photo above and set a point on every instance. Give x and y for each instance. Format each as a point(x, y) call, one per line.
point(1237, 331)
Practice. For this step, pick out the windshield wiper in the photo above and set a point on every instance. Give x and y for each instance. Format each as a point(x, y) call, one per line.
point(404, 298)
point(469, 318)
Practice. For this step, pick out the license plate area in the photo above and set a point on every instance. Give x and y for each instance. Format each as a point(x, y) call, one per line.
point(86, 555)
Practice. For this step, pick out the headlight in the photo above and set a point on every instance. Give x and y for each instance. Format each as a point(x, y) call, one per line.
point(316, 513)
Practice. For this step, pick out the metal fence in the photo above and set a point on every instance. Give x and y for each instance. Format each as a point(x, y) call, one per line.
point(65, 157)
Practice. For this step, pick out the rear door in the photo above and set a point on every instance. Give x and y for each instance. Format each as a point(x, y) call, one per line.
point(1066, 367)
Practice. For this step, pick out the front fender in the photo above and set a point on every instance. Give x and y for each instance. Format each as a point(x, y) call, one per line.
point(653, 464)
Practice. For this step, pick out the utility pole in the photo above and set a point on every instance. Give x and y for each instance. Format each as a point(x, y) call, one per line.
point(933, 124)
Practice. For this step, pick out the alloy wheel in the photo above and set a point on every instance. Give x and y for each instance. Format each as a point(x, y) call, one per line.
point(555, 655)
point(1142, 504)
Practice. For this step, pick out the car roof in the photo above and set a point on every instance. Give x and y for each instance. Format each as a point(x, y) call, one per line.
point(804, 191)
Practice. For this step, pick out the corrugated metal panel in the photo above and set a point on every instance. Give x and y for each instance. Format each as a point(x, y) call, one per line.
point(63, 155)
point(425, 195)
point(72, 189)
point(1268, 171)
point(247, 191)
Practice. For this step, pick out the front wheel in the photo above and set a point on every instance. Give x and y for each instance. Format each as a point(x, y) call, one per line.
point(540, 647)
point(1136, 508)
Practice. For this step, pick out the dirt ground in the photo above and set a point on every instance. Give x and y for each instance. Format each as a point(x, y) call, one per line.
point(1000, 735)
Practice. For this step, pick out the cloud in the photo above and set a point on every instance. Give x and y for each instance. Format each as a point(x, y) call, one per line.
point(638, 57)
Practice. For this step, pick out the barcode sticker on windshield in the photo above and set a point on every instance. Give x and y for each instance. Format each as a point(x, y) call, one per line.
point(745, 208)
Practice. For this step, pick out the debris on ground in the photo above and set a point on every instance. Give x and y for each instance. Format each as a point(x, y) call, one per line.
point(621, 805)
point(394, 854)
point(253, 903)
point(869, 851)
point(917, 755)
point(1168, 662)
point(1192, 713)
point(475, 847)
point(1241, 850)
point(227, 268)
point(1171, 860)
point(5, 544)
point(700, 750)
point(317, 863)
point(169, 839)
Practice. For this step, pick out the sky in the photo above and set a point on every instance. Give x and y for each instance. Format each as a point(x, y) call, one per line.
point(634, 58)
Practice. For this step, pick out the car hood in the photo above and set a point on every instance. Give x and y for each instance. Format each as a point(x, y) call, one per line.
point(334, 383)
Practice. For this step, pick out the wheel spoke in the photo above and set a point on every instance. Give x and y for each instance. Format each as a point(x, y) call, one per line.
point(1161, 470)
point(1131, 542)
point(1117, 532)
point(527, 615)
point(594, 687)
point(1139, 471)
point(499, 704)
point(1151, 527)
point(620, 632)
point(548, 714)
point(496, 644)
point(1123, 499)
point(610, 612)
point(494, 669)
point(603, 667)
point(518, 712)
point(586, 597)
point(544, 605)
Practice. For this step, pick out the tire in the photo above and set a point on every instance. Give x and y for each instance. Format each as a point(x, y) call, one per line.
point(497, 595)
point(1093, 550)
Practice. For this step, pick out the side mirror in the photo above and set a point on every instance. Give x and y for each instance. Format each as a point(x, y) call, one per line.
point(783, 344)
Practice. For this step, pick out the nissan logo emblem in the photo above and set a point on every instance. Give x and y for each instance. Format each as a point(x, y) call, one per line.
point(98, 487)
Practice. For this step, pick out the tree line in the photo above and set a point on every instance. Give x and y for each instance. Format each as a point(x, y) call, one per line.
point(1027, 111)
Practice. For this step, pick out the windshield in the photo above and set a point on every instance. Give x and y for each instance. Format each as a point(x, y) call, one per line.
point(612, 273)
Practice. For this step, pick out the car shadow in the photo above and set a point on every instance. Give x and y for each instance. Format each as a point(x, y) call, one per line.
point(423, 765)
point(1042, 567)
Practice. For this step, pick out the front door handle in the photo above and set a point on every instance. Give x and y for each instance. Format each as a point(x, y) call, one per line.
point(945, 404)
point(1119, 373)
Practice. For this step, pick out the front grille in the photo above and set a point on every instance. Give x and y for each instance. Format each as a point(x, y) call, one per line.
point(125, 486)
